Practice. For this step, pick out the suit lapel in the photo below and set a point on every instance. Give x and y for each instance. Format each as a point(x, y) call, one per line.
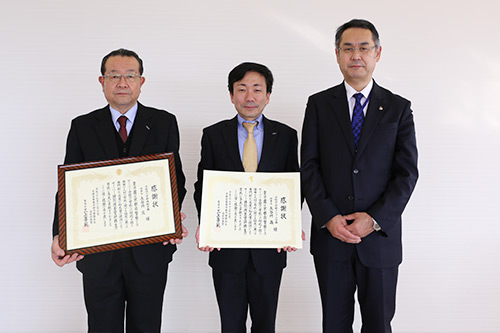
point(268, 145)
point(374, 113)
point(142, 129)
point(340, 109)
point(230, 136)
point(105, 131)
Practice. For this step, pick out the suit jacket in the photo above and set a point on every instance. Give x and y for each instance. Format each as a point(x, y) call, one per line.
point(92, 137)
point(378, 179)
point(219, 151)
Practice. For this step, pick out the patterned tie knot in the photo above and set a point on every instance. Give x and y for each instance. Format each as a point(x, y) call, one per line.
point(358, 97)
point(250, 126)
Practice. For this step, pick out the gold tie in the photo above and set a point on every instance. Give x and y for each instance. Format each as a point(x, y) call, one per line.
point(250, 149)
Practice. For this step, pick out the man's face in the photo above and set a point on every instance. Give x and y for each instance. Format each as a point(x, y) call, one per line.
point(357, 66)
point(250, 96)
point(123, 94)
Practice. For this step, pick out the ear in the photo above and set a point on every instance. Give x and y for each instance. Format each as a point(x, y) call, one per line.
point(143, 79)
point(232, 97)
point(379, 52)
point(101, 81)
point(268, 97)
point(337, 54)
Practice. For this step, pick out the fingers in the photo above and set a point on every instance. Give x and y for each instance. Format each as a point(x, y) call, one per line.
point(64, 260)
point(184, 234)
point(184, 231)
point(173, 241)
point(342, 233)
point(55, 248)
point(206, 249)
point(288, 249)
point(362, 224)
point(60, 261)
point(75, 257)
point(338, 229)
point(351, 238)
point(58, 254)
point(197, 235)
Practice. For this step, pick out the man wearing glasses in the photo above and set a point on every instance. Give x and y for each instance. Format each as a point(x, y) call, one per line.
point(130, 280)
point(359, 168)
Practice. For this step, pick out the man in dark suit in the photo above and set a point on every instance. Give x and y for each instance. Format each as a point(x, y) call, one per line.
point(130, 280)
point(246, 278)
point(359, 168)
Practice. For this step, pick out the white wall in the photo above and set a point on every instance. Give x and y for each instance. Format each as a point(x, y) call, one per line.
point(442, 55)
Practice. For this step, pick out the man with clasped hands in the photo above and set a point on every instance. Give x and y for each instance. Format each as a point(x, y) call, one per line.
point(359, 168)
point(129, 280)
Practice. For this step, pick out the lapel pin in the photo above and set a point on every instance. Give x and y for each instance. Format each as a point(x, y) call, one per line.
point(147, 127)
point(380, 108)
point(274, 133)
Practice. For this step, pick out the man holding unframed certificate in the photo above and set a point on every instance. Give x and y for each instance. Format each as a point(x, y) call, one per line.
point(132, 280)
point(250, 142)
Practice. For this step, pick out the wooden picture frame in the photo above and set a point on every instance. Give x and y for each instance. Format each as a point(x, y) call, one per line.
point(119, 203)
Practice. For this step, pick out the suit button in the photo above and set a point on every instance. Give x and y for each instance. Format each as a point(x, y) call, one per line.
point(124, 150)
point(355, 171)
point(350, 197)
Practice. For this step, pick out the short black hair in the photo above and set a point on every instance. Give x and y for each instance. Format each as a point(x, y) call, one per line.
point(121, 53)
point(242, 69)
point(357, 23)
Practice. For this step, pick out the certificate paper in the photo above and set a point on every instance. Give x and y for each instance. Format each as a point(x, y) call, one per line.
point(118, 203)
point(250, 210)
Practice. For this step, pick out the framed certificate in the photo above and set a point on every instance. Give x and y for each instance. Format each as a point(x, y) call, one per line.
point(108, 205)
point(250, 210)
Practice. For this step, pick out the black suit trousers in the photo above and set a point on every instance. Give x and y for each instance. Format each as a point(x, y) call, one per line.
point(237, 292)
point(376, 287)
point(124, 289)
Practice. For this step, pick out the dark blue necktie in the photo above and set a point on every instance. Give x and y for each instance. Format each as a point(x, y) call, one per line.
point(357, 119)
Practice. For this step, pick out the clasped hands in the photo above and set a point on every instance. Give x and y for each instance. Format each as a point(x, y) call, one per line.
point(361, 226)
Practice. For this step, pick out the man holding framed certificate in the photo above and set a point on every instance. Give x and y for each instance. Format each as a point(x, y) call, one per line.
point(247, 277)
point(128, 280)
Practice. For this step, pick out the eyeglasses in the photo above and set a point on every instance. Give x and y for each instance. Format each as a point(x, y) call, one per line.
point(129, 77)
point(361, 49)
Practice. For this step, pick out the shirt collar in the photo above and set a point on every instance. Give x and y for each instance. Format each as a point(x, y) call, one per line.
point(351, 91)
point(259, 126)
point(130, 114)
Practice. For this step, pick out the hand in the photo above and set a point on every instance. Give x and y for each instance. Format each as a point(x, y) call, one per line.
point(59, 256)
point(206, 248)
point(338, 229)
point(184, 233)
point(293, 249)
point(362, 224)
